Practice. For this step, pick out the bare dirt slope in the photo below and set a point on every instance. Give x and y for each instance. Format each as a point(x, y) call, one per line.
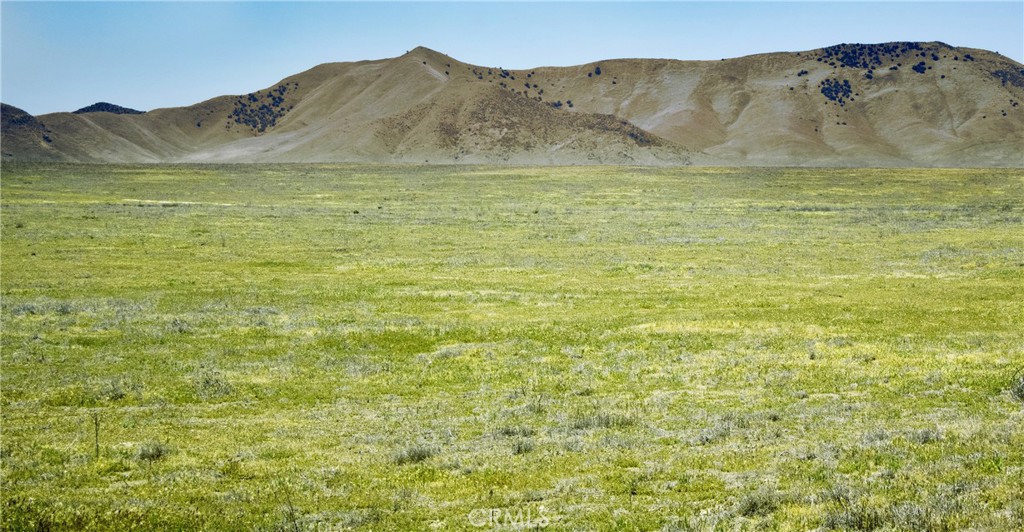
point(894, 104)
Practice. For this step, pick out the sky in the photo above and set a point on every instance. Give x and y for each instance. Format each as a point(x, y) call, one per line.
point(60, 56)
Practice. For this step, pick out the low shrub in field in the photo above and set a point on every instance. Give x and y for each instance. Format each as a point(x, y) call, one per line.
point(1017, 386)
point(211, 384)
point(858, 515)
point(937, 515)
point(761, 502)
point(414, 454)
point(602, 420)
point(522, 447)
point(153, 451)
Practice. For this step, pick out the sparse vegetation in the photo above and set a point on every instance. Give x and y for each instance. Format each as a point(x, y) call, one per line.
point(632, 348)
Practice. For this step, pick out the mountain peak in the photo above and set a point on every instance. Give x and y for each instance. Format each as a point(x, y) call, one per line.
point(423, 51)
point(105, 107)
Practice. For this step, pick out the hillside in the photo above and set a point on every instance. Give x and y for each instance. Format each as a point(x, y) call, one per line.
point(894, 104)
point(25, 137)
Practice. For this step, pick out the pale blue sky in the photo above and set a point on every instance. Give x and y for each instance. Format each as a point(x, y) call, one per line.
point(62, 56)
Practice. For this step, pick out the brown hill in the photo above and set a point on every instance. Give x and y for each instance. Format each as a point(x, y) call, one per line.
point(894, 104)
point(24, 137)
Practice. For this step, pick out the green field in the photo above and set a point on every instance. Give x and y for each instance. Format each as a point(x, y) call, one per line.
point(412, 348)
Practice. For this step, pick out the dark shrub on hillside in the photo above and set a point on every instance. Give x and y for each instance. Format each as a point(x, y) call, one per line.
point(836, 91)
point(265, 115)
point(867, 56)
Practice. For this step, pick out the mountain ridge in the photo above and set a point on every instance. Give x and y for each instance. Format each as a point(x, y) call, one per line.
point(889, 104)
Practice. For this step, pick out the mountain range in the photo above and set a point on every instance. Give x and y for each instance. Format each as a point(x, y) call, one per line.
point(891, 104)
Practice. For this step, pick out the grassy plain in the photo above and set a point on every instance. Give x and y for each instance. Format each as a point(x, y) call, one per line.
point(374, 347)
